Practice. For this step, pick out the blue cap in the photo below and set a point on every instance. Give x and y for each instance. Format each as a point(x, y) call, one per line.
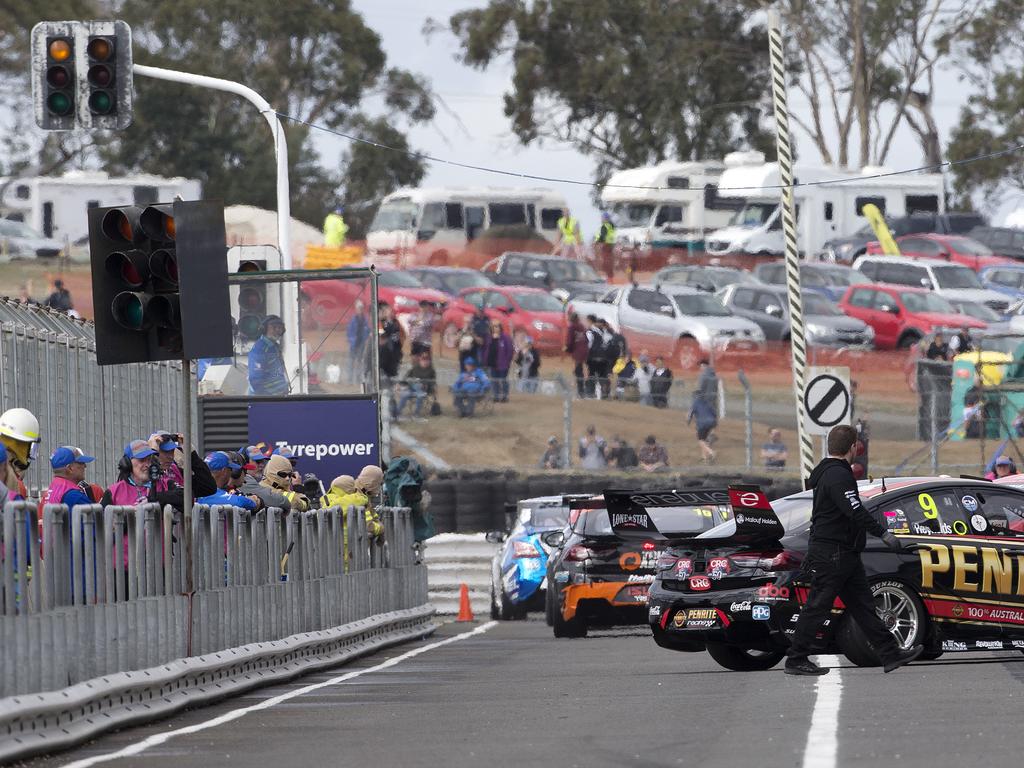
point(1004, 461)
point(469, 361)
point(283, 452)
point(138, 449)
point(220, 460)
point(68, 454)
point(168, 445)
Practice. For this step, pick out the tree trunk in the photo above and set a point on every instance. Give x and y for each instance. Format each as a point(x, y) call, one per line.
point(861, 84)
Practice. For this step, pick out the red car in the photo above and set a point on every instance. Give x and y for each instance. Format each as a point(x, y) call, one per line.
point(523, 311)
point(955, 248)
point(903, 316)
point(328, 301)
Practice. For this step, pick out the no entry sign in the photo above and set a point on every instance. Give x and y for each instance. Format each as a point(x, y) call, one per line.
point(827, 399)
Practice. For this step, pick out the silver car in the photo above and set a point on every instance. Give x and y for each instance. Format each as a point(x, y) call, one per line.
point(20, 241)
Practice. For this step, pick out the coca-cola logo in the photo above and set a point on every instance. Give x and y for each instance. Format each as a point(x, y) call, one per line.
point(700, 583)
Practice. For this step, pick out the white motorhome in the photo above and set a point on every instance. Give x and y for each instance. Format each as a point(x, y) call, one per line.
point(668, 205)
point(433, 225)
point(57, 205)
point(824, 210)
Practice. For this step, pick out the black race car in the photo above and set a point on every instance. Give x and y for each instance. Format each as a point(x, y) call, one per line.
point(736, 589)
point(597, 578)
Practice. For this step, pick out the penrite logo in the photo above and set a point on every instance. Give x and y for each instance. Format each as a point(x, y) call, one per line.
point(700, 583)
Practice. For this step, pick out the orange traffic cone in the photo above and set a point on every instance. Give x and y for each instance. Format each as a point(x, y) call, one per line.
point(465, 609)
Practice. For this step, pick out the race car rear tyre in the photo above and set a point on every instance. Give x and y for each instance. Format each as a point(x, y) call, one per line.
point(574, 627)
point(901, 610)
point(549, 606)
point(743, 659)
point(495, 611)
point(511, 611)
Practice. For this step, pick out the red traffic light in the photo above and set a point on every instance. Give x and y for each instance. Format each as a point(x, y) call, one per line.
point(131, 267)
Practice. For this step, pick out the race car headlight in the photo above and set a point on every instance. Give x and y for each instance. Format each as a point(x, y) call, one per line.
point(524, 549)
point(405, 301)
point(540, 325)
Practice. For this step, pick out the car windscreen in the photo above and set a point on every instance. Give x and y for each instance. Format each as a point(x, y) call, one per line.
point(696, 305)
point(956, 277)
point(794, 512)
point(585, 273)
point(816, 304)
point(926, 302)
point(396, 215)
point(456, 281)
point(393, 278)
point(979, 311)
point(544, 515)
point(538, 302)
point(969, 246)
point(842, 277)
point(632, 214)
point(683, 520)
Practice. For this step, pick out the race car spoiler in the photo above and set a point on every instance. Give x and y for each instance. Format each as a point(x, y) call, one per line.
point(752, 518)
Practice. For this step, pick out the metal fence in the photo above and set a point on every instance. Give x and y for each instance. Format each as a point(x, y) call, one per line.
point(93, 591)
point(48, 365)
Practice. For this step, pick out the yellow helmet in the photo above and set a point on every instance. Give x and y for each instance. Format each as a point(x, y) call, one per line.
point(19, 432)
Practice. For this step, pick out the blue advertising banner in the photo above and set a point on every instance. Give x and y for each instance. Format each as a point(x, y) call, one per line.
point(328, 436)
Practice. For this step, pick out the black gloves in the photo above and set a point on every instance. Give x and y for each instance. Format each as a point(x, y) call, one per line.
point(890, 540)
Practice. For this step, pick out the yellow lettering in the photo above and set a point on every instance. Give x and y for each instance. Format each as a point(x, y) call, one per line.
point(961, 568)
point(1020, 574)
point(929, 566)
point(996, 570)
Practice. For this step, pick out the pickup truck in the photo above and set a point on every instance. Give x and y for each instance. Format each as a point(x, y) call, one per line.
point(674, 321)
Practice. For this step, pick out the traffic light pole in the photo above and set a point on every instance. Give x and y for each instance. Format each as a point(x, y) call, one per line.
point(280, 144)
point(186, 473)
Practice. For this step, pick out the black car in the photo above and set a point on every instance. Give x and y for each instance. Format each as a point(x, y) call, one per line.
point(845, 249)
point(450, 280)
point(1004, 241)
point(563, 277)
point(704, 278)
point(736, 589)
point(597, 578)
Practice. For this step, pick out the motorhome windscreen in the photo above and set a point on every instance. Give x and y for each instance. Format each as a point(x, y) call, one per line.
point(398, 215)
point(752, 215)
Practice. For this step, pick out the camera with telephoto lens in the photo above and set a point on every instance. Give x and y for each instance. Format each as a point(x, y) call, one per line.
point(154, 470)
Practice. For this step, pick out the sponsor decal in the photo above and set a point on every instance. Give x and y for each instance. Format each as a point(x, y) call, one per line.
point(957, 610)
point(852, 498)
point(998, 524)
point(964, 568)
point(740, 607)
point(922, 530)
point(975, 612)
point(959, 527)
point(970, 503)
point(979, 523)
point(684, 567)
point(719, 564)
point(794, 618)
point(562, 576)
point(773, 591)
point(1017, 643)
point(992, 645)
point(630, 561)
point(700, 583)
point(761, 613)
point(630, 520)
point(680, 498)
point(654, 611)
point(741, 519)
point(891, 513)
point(679, 619)
point(640, 578)
point(953, 645)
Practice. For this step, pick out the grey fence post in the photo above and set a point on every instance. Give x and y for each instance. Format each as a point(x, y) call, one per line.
point(748, 417)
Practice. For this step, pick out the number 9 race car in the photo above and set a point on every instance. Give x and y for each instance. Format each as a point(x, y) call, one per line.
point(736, 589)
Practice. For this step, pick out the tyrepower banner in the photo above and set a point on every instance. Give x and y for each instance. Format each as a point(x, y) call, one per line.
point(327, 436)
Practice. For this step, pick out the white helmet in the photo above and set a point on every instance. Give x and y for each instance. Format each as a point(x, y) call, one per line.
point(19, 424)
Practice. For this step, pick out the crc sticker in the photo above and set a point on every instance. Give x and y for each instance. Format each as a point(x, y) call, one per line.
point(760, 613)
point(978, 522)
point(719, 564)
point(700, 583)
point(684, 567)
point(970, 503)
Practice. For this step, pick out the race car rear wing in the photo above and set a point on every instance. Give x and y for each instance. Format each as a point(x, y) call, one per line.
point(750, 517)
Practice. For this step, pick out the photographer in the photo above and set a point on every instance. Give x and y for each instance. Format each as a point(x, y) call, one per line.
point(223, 470)
point(140, 479)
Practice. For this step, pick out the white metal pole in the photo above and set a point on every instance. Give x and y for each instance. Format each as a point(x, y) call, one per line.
point(798, 344)
point(280, 144)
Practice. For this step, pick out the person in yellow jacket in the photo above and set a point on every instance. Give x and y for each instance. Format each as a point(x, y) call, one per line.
point(346, 492)
point(279, 475)
point(569, 237)
point(335, 228)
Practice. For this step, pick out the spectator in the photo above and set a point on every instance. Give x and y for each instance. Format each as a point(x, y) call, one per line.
point(597, 371)
point(470, 388)
point(255, 458)
point(1004, 467)
point(347, 492)
point(552, 457)
point(480, 325)
point(774, 452)
point(960, 343)
point(653, 457)
point(25, 293)
point(267, 375)
point(221, 467)
point(528, 365)
point(497, 358)
point(661, 383)
point(140, 481)
point(389, 341)
point(621, 454)
point(592, 450)
point(938, 349)
point(707, 384)
point(421, 329)
point(68, 485)
point(419, 383)
point(60, 299)
point(358, 333)
point(269, 494)
point(1018, 423)
point(165, 444)
point(642, 374)
point(466, 342)
point(576, 347)
point(617, 347)
point(279, 477)
point(707, 420)
point(238, 475)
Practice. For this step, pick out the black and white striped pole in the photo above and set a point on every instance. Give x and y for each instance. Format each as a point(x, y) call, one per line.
point(796, 313)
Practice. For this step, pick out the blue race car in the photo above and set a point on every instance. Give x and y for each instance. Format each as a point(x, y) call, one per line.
point(518, 569)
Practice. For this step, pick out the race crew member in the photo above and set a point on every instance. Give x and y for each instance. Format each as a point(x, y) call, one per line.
point(267, 375)
point(19, 433)
point(839, 523)
point(68, 485)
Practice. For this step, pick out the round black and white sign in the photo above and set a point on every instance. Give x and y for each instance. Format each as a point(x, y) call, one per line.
point(827, 400)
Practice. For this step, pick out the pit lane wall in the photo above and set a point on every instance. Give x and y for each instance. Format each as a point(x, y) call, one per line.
point(115, 620)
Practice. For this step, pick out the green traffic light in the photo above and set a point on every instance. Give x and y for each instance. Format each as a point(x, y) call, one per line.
point(129, 310)
point(59, 104)
point(101, 102)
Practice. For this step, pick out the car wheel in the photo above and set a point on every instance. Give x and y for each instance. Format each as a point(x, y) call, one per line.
point(901, 611)
point(510, 611)
point(687, 353)
point(675, 643)
point(562, 627)
point(743, 659)
point(549, 606)
point(932, 655)
point(495, 615)
point(449, 336)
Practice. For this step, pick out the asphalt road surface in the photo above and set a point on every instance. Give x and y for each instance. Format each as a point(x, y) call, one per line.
point(509, 694)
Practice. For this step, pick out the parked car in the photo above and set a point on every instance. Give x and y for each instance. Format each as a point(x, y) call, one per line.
point(565, 277)
point(954, 248)
point(846, 249)
point(902, 316)
point(948, 280)
point(20, 241)
point(450, 280)
point(706, 278)
point(330, 302)
point(830, 279)
point(995, 322)
point(1007, 279)
point(674, 320)
point(522, 311)
point(825, 324)
point(1005, 241)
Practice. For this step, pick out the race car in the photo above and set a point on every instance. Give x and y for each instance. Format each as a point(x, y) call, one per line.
point(596, 578)
point(518, 567)
point(736, 589)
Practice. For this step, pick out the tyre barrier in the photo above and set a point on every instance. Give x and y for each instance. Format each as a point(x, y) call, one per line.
point(453, 559)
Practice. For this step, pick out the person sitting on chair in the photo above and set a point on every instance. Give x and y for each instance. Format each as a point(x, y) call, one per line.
point(471, 387)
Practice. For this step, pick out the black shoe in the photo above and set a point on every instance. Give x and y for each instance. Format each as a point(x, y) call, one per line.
point(804, 667)
point(904, 658)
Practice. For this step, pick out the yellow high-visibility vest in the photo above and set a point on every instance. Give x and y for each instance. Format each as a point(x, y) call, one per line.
point(335, 230)
point(567, 225)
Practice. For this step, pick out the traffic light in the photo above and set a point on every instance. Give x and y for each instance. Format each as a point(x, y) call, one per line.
point(252, 301)
point(142, 260)
point(82, 74)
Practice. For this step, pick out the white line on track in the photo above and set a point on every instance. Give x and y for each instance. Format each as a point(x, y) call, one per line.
point(822, 737)
point(227, 717)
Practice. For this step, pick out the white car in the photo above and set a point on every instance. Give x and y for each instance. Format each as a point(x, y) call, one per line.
point(951, 281)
